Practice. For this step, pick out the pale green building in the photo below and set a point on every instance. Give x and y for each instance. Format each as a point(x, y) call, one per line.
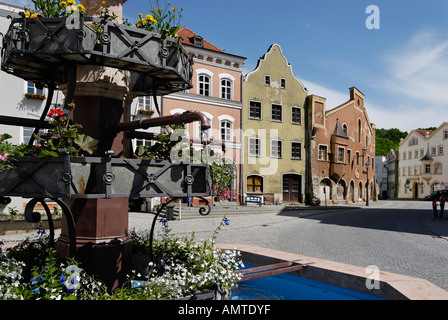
point(273, 131)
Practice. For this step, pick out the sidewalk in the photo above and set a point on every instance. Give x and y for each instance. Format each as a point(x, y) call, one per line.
point(142, 221)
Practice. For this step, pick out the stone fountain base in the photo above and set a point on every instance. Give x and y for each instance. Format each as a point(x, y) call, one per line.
point(391, 286)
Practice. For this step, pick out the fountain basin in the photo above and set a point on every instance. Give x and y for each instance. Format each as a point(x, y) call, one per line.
point(391, 286)
point(290, 287)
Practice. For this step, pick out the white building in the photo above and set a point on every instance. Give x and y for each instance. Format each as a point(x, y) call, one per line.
point(423, 163)
point(13, 100)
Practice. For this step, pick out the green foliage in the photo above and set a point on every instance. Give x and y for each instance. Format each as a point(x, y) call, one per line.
point(160, 150)
point(388, 139)
point(64, 136)
point(8, 152)
point(31, 271)
point(161, 20)
point(183, 266)
point(222, 176)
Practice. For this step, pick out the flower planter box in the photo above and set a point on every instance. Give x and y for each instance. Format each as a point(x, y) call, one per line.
point(53, 39)
point(46, 49)
point(21, 225)
point(92, 177)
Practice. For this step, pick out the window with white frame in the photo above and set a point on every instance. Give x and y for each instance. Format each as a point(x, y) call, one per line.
point(341, 152)
point(254, 147)
point(276, 112)
point(143, 104)
point(296, 115)
point(198, 41)
point(204, 85)
point(323, 153)
point(296, 150)
point(283, 83)
point(438, 168)
point(276, 149)
point(254, 184)
point(427, 168)
point(226, 89)
point(27, 132)
point(433, 151)
point(267, 80)
point(440, 150)
point(31, 88)
point(255, 110)
point(226, 130)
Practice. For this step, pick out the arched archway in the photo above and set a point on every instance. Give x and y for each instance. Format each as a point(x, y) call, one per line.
point(415, 190)
point(352, 191)
point(360, 190)
point(342, 190)
point(325, 190)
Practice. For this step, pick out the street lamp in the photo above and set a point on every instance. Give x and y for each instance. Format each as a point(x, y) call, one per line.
point(367, 189)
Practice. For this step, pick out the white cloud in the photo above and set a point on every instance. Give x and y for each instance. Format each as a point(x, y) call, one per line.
point(334, 98)
point(417, 73)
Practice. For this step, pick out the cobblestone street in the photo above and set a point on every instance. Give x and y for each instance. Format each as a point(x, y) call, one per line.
point(396, 236)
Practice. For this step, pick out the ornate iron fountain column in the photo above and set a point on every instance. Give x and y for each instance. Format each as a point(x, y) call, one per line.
point(100, 73)
point(102, 240)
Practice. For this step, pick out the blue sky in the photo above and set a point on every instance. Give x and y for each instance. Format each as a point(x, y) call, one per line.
point(402, 68)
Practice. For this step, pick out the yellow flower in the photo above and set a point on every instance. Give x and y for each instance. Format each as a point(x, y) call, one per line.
point(82, 8)
point(27, 14)
point(151, 19)
point(34, 15)
point(63, 4)
point(159, 10)
point(174, 9)
point(72, 2)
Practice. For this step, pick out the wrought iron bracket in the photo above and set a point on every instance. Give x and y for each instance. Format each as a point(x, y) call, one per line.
point(35, 217)
point(202, 211)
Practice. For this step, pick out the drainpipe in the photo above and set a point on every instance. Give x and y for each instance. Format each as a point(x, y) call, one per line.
point(241, 141)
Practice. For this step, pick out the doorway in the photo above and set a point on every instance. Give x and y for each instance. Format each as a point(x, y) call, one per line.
point(292, 188)
point(415, 190)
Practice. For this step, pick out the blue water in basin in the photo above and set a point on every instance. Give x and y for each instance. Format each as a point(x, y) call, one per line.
point(289, 287)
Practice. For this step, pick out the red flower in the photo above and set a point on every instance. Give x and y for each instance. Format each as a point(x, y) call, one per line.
point(55, 113)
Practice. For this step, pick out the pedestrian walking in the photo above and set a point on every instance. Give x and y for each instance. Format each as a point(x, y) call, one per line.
point(442, 200)
point(434, 206)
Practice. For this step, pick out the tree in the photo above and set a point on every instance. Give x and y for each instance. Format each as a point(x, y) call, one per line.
point(387, 139)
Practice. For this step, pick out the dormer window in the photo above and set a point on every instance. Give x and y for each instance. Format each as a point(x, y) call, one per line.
point(198, 41)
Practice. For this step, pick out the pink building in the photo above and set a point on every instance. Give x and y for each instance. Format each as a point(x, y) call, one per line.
point(216, 92)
